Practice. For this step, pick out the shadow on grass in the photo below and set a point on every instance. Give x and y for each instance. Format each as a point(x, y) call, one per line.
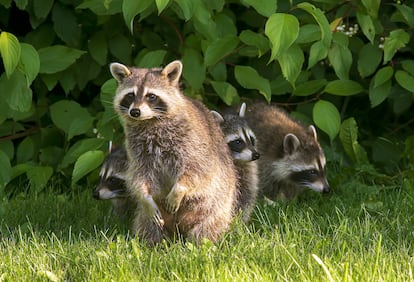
point(60, 214)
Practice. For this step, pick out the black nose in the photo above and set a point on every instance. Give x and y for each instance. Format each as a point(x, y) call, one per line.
point(95, 194)
point(134, 112)
point(326, 189)
point(255, 156)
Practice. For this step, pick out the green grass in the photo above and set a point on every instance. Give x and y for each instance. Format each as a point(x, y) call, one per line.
point(356, 233)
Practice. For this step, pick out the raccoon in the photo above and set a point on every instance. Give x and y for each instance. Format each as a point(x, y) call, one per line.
point(291, 156)
point(242, 143)
point(112, 184)
point(180, 169)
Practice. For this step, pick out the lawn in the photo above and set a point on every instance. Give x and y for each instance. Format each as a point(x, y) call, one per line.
point(358, 232)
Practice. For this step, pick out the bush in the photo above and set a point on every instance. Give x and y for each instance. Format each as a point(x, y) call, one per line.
point(339, 64)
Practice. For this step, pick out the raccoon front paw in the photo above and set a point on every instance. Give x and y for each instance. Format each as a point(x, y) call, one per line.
point(154, 212)
point(174, 198)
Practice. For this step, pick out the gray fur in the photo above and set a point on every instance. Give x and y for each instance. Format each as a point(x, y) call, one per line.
point(112, 184)
point(286, 148)
point(233, 126)
point(180, 169)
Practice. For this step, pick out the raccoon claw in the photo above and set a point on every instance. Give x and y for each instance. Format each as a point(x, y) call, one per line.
point(175, 197)
point(154, 212)
point(172, 207)
point(157, 219)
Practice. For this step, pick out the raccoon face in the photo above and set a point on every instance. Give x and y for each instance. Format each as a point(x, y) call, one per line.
point(112, 176)
point(239, 137)
point(242, 145)
point(142, 104)
point(144, 94)
point(303, 165)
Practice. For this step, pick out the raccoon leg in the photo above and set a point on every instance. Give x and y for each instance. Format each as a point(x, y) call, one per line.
point(145, 229)
point(151, 209)
point(175, 197)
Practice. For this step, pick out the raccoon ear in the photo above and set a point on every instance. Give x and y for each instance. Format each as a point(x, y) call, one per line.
point(242, 110)
point(290, 143)
point(312, 131)
point(173, 71)
point(218, 116)
point(119, 71)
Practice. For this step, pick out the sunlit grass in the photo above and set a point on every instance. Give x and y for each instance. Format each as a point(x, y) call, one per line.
point(350, 235)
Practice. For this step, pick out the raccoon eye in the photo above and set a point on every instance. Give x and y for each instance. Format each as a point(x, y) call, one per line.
point(130, 95)
point(313, 172)
point(151, 97)
point(236, 145)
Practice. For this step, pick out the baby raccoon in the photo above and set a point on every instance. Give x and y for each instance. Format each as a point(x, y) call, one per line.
point(112, 183)
point(242, 143)
point(291, 156)
point(180, 169)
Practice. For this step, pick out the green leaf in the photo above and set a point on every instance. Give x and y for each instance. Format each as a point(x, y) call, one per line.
point(340, 57)
point(226, 92)
point(194, 70)
point(265, 8)
point(102, 8)
point(98, 48)
point(249, 78)
point(6, 169)
point(131, 8)
point(79, 148)
point(397, 39)
point(257, 40)
point(367, 26)
point(70, 117)
point(327, 118)
point(309, 87)
point(86, 163)
point(291, 62)
point(349, 139)
point(319, 16)
point(308, 33)
point(39, 176)
point(19, 95)
point(405, 80)
point(187, 8)
point(57, 58)
point(318, 51)
point(9, 51)
point(51, 156)
point(65, 24)
point(219, 49)
point(7, 147)
point(372, 7)
point(382, 76)
point(42, 8)
point(29, 62)
point(408, 65)
point(21, 4)
point(344, 87)
point(378, 94)
point(152, 59)
point(25, 150)
point(282, 31)
point(407, 14)
point(121, 48)
point(369, 58)
point(161, 5)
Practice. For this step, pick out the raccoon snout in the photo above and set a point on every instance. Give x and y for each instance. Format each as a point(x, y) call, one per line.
point(326, 189)
point(255, 156)
point(134, 112)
